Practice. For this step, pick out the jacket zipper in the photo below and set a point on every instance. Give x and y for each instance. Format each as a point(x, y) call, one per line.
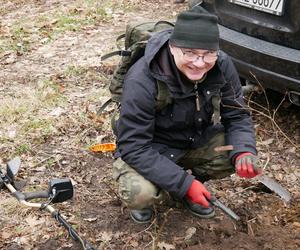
point(197, 100)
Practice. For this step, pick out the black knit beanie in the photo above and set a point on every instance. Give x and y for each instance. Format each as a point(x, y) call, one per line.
point(196, 29)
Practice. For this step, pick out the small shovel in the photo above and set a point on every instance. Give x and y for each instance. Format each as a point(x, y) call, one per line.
point(273, 186)
point(265, 180)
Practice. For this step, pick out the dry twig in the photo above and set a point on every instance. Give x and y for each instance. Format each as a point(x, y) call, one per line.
point(155, 242)
point(269, 115)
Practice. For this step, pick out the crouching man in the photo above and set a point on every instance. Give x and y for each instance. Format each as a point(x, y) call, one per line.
point(204, 110)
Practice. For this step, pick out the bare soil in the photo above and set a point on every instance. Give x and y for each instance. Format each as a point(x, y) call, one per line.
point(70, 59)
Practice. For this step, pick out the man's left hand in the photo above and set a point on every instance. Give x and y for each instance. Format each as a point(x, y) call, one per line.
point(245, 165)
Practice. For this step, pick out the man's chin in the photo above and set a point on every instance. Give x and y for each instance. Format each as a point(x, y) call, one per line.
point(195, 77)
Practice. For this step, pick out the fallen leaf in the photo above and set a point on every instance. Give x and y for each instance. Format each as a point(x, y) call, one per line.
point(40, 169)
point(11, 59)
point(296, 224)
point(90, 219)
point(12, 132)
point(291, 150)
point(5, 235)
point(105, 236)
point(57, 112)
point(134, 244)
point(267, 142)
point(189, 233)
point(165, 246)
point(33, 221)
point(104, 147)
point(21, 240)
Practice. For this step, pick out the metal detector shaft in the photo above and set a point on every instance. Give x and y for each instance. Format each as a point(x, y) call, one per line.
point(71, 230)
point(21, 198)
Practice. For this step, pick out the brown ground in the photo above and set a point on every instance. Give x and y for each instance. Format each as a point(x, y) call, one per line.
point(45, 52)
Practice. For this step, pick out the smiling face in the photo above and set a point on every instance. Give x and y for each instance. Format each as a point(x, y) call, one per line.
point(193, 63)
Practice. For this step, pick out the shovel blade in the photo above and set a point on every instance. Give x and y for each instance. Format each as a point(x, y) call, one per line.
point(275, 187)
point(13, 167)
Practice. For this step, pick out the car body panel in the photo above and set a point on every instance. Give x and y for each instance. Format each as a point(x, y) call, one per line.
point(264, 47)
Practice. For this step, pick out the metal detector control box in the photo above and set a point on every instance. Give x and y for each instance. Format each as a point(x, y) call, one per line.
point(61, 190)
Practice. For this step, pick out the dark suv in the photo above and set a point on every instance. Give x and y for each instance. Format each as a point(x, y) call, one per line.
point(263, 39)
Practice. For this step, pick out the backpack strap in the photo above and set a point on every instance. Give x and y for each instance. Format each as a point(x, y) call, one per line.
point(122, 36)
point(114, 118)
point(163, 22)
point(163, 97)
point(120, 52)
point(116, 53)
point(103, 107)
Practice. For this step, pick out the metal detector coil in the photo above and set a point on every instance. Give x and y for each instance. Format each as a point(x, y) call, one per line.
point(60, 190)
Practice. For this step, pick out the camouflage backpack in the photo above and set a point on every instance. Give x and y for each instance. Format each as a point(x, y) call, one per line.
point(136, 37)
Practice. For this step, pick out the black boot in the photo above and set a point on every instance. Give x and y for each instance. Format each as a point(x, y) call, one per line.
point(198, 210)
point(141, 215)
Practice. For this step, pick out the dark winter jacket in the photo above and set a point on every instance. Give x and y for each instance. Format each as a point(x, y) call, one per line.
point(151, 141)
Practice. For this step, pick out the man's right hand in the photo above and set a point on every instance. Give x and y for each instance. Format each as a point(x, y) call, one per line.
point(198, 193)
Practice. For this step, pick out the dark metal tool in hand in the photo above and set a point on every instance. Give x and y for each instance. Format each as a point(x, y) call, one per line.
point(215, 202)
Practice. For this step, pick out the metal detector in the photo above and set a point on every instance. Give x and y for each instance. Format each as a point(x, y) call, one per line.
point(59, 190)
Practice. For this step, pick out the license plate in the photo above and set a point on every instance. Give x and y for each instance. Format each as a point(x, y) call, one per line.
point(271, 6)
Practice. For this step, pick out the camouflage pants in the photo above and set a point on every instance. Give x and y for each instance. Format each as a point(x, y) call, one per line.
point(205, 163)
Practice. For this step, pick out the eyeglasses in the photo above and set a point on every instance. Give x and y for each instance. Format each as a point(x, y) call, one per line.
point(207, 57)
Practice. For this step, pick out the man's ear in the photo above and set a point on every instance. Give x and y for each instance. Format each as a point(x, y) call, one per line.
point(171, 49)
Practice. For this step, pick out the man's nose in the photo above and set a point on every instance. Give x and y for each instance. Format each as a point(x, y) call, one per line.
point(199, 62)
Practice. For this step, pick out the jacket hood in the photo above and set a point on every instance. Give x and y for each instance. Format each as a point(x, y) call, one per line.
point(161, 64)
point(163, 68)
point(155, 43)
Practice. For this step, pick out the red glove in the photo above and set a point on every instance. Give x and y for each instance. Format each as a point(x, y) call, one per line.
point(245, 165)
point(198, 193)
